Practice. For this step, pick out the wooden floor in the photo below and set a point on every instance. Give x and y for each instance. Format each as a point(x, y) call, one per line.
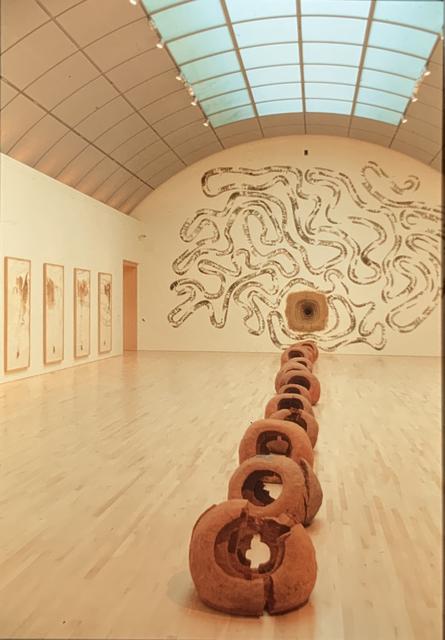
point(104, 469)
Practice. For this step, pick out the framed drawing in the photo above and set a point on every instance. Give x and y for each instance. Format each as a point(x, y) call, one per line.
point(53, 313)
point(17, 291)
point(82, 305)
point(105, 312)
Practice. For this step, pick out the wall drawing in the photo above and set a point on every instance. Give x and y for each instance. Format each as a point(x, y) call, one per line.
point(369, 245)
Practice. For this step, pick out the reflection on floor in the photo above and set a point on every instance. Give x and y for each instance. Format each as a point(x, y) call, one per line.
point(104, 469)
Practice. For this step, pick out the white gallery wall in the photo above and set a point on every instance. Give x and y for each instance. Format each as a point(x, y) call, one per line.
point(229, 237)
point(44, 220)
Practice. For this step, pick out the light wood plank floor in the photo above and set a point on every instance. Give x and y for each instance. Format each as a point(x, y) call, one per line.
point(104, 469)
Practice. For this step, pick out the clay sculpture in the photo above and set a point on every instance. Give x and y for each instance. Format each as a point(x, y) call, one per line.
point(278, 437)
point(301, 494)
point(303, 378)
point(287, 401)
point(297, 351)
point(290, 365)
point(222, 574)
point(296, 389)
point(300, 417)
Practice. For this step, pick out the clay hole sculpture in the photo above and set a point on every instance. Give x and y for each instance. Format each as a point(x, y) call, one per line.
point(225, 576)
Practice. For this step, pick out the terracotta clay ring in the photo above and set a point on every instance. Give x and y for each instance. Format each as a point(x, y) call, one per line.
point(297, 389)
point(311, 345)
point(301, 494)
point(222, 573)
point(288, 366)
point(305, 361)
point(287, 401)
point(302, 418)
point(278, 437)
point(297, 351)
point(303, 378)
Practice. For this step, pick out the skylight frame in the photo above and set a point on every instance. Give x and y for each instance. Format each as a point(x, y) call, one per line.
point(301, 65)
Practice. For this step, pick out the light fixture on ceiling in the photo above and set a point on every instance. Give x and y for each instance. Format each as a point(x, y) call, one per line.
point(194, 102)
point(414, 99)
point(179, 78)
point(404, 120)
point(134, 2)
point(427, 72)
point(190, 90)
point(160, 44)
point(206, 123)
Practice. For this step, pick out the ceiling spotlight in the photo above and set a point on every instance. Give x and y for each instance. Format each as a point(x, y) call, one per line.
point(194, 102)
point(134, 2)
point(179, 78)
point(206, 123)
point(404, 120)
point(160, 44)
point(414, 99)
point(427, 72)
point(191, 92)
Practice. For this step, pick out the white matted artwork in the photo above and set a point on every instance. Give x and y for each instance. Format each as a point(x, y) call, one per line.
point(17, 291)
point(105, 312)
point(82, 306)
point(53, 313)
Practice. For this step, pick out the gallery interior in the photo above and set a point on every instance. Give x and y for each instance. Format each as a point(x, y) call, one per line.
point(220, 229)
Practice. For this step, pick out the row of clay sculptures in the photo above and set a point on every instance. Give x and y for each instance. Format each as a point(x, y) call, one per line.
point(275, 450)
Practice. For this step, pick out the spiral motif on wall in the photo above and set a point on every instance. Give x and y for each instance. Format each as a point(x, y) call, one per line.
point(368, 245)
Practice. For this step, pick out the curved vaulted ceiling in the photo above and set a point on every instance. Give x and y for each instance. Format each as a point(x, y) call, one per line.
point(90, 92)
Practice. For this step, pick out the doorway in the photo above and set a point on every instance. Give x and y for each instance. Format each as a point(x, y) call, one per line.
point(130, 305)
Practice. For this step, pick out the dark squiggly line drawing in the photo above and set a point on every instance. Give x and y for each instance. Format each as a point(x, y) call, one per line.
point(283, 230)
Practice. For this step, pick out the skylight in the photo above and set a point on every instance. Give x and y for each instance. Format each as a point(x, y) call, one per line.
point(243, 58)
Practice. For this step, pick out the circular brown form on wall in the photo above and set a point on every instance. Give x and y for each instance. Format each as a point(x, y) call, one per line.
point(306, 311)
point(301, 494)
point(288, 366)
point(222, 574)
point(277, 437)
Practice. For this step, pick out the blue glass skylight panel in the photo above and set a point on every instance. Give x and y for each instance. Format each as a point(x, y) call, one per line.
point(189, 17)
point(272, 75)
point(321, 29)
point(211, 66)
point(404, 39)
point(276, 92)
point(390, 61)
point(326, 53)
point(270, 54)
point(382, 99)
point(358, 8)
point(327, 73)
point(328, 106)
point(201, 44)
point(279, 106)
point(332, 91)
point(215, 86)
point(377, 113)
point(388, 81)
point(231, 115)
point(226, 101)
point(251, 9)
point(259, 32)
point(422, 14)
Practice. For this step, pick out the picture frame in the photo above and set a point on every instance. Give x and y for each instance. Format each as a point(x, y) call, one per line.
point(105, 312)
point(82, 312)
point(17, 314)
point(53, 313)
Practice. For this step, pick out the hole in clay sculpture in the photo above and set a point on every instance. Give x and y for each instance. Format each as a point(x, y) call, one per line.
point(296, 354)
point(273, 442)
point(296, 417)
point(301, 381)
point(290, 403)
point(254, 489)
point(259, 553)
